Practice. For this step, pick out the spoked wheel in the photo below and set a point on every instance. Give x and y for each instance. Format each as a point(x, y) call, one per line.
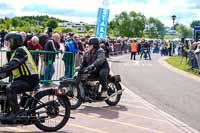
point(113, 88)
point(74, 95)
point(54, 115)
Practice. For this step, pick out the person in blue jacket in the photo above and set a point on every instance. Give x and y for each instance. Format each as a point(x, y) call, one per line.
point(71, 49)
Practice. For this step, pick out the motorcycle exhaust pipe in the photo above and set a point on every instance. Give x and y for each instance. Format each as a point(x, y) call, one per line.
point(114, 94)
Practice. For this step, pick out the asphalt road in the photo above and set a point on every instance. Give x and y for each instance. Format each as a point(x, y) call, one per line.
point(171, 92)
point(129, 116)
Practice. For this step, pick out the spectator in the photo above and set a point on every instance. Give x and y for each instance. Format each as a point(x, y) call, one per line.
point(169, 47)
point(2, 35)
point(49, 59)
point(197, 52)
point(191, 55)
point(24, 37)
point(71, 46)
point(49, 32)
point(33, 44)
point(106, 47)
point(43, 38)
point(139, 47)
point(133, 49)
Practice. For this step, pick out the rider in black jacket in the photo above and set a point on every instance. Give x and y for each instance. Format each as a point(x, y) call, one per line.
point(95, 58)
point(23, 70)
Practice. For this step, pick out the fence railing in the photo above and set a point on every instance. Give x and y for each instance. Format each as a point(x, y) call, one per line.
point(52, 66)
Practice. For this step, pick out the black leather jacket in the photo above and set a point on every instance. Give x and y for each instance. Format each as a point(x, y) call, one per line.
point(98, 59)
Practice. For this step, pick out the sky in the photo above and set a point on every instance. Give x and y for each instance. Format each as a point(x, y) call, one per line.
point(86, 10)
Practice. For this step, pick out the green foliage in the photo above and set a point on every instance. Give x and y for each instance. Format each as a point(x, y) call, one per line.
point(195, 23)
point(170, 37)
point(129, 25)
point(52, 23)
point(66, 30)
point(28, 23)
point(156, 28)
point(184, 31)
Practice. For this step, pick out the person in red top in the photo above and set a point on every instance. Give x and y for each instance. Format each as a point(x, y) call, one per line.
point(133, 49)
point(33, 44)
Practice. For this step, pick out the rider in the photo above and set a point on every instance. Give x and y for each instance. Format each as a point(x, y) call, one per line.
point(23, 70)
point(95, 58)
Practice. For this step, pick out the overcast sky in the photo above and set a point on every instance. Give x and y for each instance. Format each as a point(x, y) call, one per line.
point(86, 10)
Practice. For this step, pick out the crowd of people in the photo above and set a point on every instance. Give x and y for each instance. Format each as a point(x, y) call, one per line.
point(75, 46)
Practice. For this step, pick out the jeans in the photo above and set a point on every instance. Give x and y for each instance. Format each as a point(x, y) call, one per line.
point(48, 72)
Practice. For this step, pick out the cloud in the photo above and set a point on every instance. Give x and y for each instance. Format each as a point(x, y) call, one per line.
point(58, 11)
point(185, 10)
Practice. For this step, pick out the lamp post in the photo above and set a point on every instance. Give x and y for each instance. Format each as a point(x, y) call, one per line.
point(173, 18)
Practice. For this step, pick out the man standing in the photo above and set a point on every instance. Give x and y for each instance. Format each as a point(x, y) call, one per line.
point(133, 49)
point(3, 33)
point(49, 59)
point(71, 49)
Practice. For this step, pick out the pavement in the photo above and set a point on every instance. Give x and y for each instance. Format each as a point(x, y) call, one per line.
point(132, 115)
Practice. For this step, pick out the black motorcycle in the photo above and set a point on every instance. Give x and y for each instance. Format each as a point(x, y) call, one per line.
point(85, 88)
point(48, 110)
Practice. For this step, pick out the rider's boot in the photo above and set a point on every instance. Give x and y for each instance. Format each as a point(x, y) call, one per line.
point(11, 118)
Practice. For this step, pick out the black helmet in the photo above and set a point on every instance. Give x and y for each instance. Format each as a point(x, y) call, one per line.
point(15, 40)
point(94, 42)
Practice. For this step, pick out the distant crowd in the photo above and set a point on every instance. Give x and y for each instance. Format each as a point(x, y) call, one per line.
point(77, 45)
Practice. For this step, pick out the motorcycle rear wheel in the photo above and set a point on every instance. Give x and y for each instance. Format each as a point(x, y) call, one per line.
point(112, 88)
point(52, 111)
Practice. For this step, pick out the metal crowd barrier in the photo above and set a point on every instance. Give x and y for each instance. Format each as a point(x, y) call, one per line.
point(52, 66)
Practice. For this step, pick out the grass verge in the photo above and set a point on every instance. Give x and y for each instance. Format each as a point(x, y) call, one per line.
point(176, 62)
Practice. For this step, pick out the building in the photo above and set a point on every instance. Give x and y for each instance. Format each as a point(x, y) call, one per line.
point(80, 26)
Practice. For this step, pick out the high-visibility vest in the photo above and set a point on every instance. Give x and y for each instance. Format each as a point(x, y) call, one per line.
point(28, 68)
point(133, 47)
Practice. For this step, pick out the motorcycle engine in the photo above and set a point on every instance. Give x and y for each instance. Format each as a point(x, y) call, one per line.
point(93, 86)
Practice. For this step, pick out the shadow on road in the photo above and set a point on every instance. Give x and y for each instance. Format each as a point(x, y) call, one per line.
point(34, 132)
point(106, 112)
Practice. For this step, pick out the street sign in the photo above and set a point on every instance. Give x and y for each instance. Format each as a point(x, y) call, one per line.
point(102, 22)
point(196, 33)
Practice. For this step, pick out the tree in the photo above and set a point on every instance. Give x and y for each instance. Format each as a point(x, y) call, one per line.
point(156, 28)
point(52, 23)
point(129, 25)
point(195, 23)
point(184, 31)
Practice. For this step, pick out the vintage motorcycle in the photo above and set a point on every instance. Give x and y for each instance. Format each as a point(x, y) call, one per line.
point(48, 110)
point(85, 88)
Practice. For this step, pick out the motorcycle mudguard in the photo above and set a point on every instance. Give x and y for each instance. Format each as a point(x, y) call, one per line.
point(115, 78)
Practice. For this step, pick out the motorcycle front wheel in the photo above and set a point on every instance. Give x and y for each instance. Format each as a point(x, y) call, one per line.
point(74, 95)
